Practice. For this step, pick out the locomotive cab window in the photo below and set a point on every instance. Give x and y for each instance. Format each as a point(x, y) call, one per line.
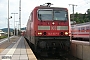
point(45, 14)
point(60, 15)
point(51, 14)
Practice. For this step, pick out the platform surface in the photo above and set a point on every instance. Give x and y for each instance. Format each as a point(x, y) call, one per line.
point(17, 50)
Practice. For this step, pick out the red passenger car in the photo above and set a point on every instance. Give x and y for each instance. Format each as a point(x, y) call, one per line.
point(48, 29)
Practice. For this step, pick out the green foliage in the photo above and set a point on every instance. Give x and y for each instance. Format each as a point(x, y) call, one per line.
point(88, 12)
point(82, 18)
point(1, 37)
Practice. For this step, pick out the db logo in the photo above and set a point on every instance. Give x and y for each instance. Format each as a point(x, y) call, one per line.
point(53, 27)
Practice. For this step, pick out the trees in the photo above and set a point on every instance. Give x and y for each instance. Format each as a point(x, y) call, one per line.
point(82, 18)
point(88, 13)
point(77, 19)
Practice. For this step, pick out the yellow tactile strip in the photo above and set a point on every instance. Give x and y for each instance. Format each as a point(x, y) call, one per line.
point(30, 54)
point(6, 44)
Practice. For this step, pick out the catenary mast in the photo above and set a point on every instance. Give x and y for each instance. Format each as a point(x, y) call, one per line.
point(20, 14)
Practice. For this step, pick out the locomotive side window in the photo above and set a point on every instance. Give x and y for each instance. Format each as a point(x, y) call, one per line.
point(60, 15)
point(31, 17)
point(45, 14)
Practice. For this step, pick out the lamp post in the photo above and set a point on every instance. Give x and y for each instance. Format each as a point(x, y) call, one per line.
point(14, 22)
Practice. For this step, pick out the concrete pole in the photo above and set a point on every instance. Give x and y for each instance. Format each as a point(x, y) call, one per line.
point(8, 22)
point(20, 14)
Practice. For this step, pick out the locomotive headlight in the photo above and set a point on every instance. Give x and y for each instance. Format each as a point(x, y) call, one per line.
point(39, 33)
point(66, 33)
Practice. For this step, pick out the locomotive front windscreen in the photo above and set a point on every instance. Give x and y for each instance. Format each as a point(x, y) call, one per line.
point(50, 14)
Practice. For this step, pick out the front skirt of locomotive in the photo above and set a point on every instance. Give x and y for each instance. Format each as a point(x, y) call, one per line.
point(52, 45)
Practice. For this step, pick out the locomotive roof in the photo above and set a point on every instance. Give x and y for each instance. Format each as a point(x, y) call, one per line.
point(45, 7)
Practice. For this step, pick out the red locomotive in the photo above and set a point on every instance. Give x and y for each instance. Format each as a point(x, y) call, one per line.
point(48, 29)
point(81, 31)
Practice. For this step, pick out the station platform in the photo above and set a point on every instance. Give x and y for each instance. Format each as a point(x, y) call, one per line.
point(16, 49)
point(81, 49)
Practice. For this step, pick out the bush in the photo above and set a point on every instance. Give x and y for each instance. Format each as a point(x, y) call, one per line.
point(1, 37)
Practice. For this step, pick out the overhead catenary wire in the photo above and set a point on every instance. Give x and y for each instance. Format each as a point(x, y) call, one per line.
point(82, 4)
point(87, 1)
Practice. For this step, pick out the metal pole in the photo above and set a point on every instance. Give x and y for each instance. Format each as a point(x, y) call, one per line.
point(17, 27)
point(8, 22)
point(14, 24)
point(73, 18)
point(73, 10)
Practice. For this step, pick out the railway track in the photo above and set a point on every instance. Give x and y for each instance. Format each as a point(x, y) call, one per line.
point(54, 57)
point(59, 58)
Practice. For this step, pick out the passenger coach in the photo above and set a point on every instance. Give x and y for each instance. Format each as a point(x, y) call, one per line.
point(81, 31)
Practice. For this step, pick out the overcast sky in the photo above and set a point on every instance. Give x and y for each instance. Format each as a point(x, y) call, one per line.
point(28, 5)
